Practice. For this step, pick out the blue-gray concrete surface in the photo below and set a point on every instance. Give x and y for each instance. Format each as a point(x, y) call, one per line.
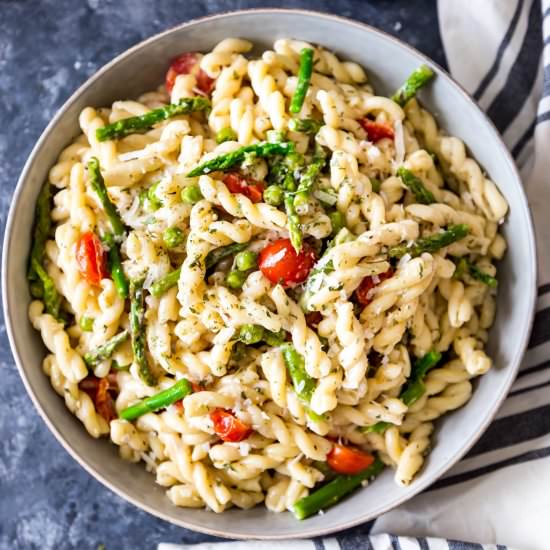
point(47, 49)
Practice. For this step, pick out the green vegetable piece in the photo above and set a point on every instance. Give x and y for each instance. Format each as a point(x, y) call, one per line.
point(274, 195)
point(140, 124)
point(137, 331)
point(304, 385)
point(191, 194)
point(432, 243)
point(463, 266)
point(414, 183)
point(172, 237)
point(304, 76)
point(415, 387)
point(235, 279)
point(334, 491)
point(274, 338)
point(98, 185)
point(226, 134)
point(115, 265)
point(417, 79)
point(86, 324)
point(116, 366)
point(218, 254)
point(152, 197)
point(294, 227)
point(251, 334)
point(42, 227)
point(338, 222)
point(158, 401)
point(159, 287)
point(378, 428)
point(36, 289)
point(106, 350)
point(246, 260)
point(51, 298)
point(376, 185)
point(305, 125)
point(228, 160)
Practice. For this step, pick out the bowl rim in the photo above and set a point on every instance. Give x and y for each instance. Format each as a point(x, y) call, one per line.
point(444, 467)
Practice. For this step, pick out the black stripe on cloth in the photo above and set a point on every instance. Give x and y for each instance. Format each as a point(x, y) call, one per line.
point(541, 328)
point(501, 547)
point(529, 388)
point(546, 75)
point(546, 12)
point(543, 289)
point(523, 73)
point(355, 541)
point(534, 368)
point(513, 429)
point(395, 543)
point(500, 52)
point(423, 544)
point(319, 544)
point(523, 140)
point(544, 117)
point(472, 474)
point(457, 545)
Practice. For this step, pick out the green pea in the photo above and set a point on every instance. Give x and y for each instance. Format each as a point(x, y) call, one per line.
point(226, 134)
point(191, 194)
point(246, 260)
point(154, 202)
point(235, 279)
point(86, 323)
point(172, 237)
point(274, 195)
point(376, 185)
point(251, 334)
point(337, 220)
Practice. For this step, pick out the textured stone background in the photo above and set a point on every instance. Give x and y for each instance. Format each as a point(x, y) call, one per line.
point(47, 49)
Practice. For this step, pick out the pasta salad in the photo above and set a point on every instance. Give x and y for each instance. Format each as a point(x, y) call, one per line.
point(263, 280)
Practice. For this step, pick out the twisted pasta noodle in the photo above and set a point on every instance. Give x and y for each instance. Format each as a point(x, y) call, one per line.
point(90, 121)
point(79, 403)
point(412, 457)
point(475, 360)
point(270, 97)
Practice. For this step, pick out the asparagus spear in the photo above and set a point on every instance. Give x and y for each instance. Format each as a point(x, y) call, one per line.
point(227, 161)
point(137, 331)
point(159, 287)
point(115, 265)
point(140, 124)
point(303, 384)
point(414, 389)
point(293, 223)
point(463, 265)
point(304, 76)
point(432, 243)
point(106, 350)
point(158, 401)
point(308, 178)
point(334, 491)
point(305, 125)
point(51, 298)
point(423, 195)
point(417, 79)
point(98, 185)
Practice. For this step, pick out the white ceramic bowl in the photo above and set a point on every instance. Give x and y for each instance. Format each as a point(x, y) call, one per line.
point(387, 61)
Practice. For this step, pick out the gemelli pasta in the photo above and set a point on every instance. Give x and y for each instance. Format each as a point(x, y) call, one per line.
point(264, 281)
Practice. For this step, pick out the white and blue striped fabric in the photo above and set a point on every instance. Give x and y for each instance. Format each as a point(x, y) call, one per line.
point(498, 496)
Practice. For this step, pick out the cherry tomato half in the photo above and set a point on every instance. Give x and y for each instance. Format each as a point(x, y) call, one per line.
point(348, 460)
point(376, 130)
point(188, 63)
point(91, 258)
point(99, 390)
point(253, 189)
point(228, 427)
point(363, 291)
point(280, 263)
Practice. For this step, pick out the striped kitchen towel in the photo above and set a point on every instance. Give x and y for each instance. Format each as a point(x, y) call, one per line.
point(499, 50)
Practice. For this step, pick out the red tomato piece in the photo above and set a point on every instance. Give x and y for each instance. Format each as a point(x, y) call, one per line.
point(188, 63)
point(228, 427)
point(98, 389)
point(313, 318)
point(363, 291)
point(348, 460)
point(251, 188)
point(91, 258)
point(280, 263)
point(376, 130)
